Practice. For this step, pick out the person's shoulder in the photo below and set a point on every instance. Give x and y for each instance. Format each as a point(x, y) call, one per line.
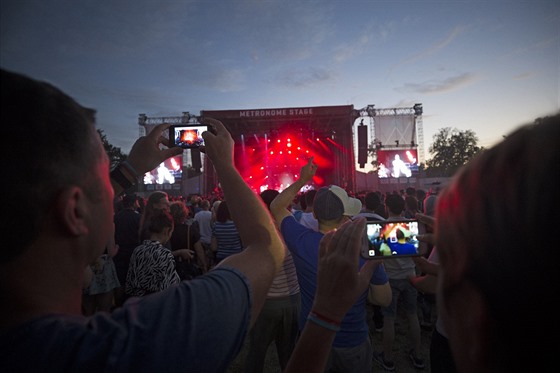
point(370, 216)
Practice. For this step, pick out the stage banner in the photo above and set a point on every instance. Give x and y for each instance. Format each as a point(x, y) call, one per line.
point(392, 128)
point(279, 113)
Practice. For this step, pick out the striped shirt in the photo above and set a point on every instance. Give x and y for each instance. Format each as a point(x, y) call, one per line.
point(285, 283)
point(227, 236)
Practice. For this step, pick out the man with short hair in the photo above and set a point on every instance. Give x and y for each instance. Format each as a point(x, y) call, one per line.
point(351, 350)
point(498, 279)
point(307, 217)
point(372, 203)
point(60, 213)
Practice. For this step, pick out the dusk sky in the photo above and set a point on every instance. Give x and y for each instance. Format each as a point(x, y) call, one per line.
point(486, 66)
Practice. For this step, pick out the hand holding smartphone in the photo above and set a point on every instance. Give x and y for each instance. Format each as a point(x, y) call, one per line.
point(392, 239)
point(187, 136)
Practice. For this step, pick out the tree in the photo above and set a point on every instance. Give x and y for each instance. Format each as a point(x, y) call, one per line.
point(451, 149)
point(114, 153)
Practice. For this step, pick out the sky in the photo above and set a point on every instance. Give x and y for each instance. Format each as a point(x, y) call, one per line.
point(486, 66)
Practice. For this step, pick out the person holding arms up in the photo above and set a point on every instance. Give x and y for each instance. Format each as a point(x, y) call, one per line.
point(63, 225)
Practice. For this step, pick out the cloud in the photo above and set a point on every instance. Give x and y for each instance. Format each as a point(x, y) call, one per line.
point(458, 30)
point(525, 75)
point(300, 78)
point(371, 35)
point(449, 84)
point(545, 44)
point(274, 31)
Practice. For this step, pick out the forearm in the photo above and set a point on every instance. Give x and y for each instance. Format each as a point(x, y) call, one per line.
point(312, 349)
point(426, 284)
point(264, 251)
point(123, 176)
point(380, 295)
point(284, 199)
point(425, 266)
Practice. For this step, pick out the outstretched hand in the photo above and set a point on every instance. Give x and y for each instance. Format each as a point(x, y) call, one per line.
point(308, 171)
point(340, 280)
point(218, 143)
point(146, 154)
point(429, 221)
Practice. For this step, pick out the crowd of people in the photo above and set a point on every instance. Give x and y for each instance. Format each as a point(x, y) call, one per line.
point(188, 281)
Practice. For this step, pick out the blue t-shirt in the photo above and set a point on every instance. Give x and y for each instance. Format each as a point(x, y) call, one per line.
point(303, 244)
point(199, 325)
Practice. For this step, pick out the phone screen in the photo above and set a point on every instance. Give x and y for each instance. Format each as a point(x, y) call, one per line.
point(392, 239)
point(187, 136)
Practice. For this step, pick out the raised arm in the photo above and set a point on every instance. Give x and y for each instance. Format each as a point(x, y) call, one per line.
point(264, 249)
point(278, 205)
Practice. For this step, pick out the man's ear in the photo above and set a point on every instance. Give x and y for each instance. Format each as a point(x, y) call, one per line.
point(72, 210)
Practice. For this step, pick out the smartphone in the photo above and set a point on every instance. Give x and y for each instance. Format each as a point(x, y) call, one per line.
point(187, 136)
point(393, 239)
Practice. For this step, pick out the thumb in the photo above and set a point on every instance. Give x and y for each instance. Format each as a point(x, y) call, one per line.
point(368, 268)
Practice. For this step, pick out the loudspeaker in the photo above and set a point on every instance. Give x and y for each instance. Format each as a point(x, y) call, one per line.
point(362, 145)
point(196, 161)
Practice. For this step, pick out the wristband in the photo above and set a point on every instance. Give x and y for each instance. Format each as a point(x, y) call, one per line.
point(323, 321)
point(130, 169)
point(120, 178)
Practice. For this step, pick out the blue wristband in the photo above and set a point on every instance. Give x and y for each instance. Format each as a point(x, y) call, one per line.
point(325, 324)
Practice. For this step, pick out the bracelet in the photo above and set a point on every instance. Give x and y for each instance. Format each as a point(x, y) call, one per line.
point(131, 170)
point(121, 179)
point(323, 321)
point(325, 318)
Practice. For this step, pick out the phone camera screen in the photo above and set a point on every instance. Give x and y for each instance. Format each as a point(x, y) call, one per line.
point(391, 239)
point(187, 137)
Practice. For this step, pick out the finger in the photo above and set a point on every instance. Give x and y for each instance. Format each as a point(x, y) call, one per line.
point(218, 126)
point(358, 234)
point(165, 141)
point(347, 238)
point(426, 219)
point(325, 242)
point(157, 131)
point(171, 152)
point(368, 268)
point(427, 237)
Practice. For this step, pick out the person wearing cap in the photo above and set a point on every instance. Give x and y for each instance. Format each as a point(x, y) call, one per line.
point(351, 349)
